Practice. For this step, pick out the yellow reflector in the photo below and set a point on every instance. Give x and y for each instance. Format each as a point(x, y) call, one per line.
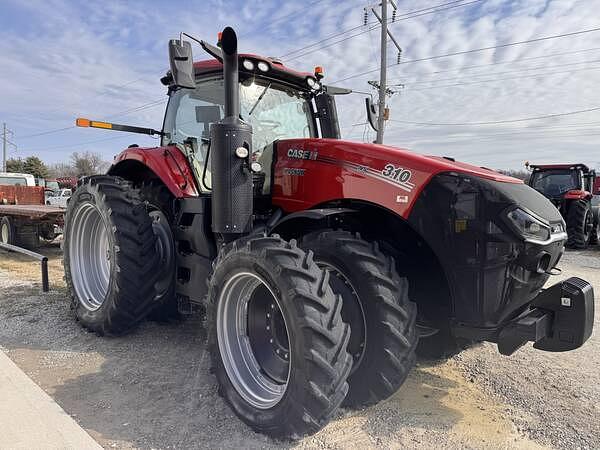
point(101, 125)
point(80, 122)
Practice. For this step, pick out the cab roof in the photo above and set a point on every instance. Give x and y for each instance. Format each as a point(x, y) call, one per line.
point(277, 70)
point(574, 166)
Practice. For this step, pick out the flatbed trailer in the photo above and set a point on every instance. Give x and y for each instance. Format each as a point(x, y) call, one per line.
point(24, 224)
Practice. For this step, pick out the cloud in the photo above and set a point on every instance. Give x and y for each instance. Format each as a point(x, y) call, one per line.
point(65, 59)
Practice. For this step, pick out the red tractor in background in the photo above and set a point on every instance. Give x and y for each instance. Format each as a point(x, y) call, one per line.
point(571, 188)
point(324, 265)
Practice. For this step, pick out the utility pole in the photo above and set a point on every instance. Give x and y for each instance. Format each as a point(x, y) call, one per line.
point(5, 143)
point(4, 147)
point(382, 75)
point(382, 86)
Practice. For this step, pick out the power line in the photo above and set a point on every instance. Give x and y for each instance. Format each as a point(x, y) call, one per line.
point(341, 33)
point(77, 144)
point(405, 16)
point(292, 14)
point(117, 114)
point(43, 133)
point(495, 122)
point(477, 66)
point(527, 69)
point(464, 52)
point(468, 83)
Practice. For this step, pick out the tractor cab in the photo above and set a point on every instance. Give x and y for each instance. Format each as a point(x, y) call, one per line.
point(557, 180)
point(277, 102)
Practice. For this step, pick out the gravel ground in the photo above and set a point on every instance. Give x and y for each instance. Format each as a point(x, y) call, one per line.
point(153, 389)
point(554, 397)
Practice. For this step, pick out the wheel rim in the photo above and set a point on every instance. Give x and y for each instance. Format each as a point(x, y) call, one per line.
point(4, 233)
point(89, 256)
point(352, 312)
point(588, 225)
point(165, 250)
point(253, 340)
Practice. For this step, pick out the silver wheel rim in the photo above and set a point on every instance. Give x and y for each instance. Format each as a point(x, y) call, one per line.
point(239, 359)
point(89, 256)
point(5, 233)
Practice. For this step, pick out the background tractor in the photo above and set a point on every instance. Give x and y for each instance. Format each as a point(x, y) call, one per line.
point(321, 262)
point(571, 188)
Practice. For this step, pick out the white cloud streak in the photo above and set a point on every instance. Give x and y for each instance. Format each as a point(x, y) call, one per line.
point(74, 59)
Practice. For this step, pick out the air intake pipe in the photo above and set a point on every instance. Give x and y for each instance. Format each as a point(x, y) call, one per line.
point(231, 149)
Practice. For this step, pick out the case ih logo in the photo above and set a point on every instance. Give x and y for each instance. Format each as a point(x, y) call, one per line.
point(302, 154)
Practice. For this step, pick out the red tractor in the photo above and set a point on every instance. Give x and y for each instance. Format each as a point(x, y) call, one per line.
point(570, 187)
point(323, 264)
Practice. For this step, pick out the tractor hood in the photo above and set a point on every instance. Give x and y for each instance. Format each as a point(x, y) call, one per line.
point(328, 169)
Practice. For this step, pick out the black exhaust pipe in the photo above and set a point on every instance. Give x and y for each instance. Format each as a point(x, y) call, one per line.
point(231, 149)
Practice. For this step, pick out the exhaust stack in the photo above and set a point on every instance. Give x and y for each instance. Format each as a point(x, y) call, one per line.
point(231, 149)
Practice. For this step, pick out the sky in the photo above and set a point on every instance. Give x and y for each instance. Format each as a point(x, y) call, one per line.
point(499, 107)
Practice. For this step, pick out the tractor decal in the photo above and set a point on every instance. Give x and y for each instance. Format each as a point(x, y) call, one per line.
point(302, 154)
point(390, 174)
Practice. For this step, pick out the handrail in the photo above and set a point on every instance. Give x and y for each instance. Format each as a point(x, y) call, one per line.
point(41, 258)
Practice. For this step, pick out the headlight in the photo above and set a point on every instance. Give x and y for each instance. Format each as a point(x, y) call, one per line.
point(248, 65)
point(263, 66)
point(311, 82)
point(529, 227)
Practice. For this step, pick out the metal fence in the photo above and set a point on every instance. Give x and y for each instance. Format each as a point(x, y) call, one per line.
point(41, 258)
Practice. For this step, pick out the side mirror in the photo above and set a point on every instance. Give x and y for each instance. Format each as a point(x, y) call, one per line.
point(371, 113)
point(182, 63)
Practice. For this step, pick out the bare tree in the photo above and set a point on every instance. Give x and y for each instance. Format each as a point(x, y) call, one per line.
point(516, 173)
point(87, 163)
point(61, 169)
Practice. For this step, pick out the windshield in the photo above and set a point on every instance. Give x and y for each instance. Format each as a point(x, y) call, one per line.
point(52, 185)
point(274, 110)
point(554, 183)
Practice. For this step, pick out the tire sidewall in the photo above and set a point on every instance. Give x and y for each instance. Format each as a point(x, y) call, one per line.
point(365, 290)
point(90, 194)
point(226, 269)
point(5, 222)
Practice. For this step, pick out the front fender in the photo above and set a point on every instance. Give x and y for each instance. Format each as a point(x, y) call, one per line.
point(312, 215)
point(168, 164)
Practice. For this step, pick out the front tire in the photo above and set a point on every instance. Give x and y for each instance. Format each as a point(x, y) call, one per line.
point(580, 224)
point(110, 257)
point(277, 339)
point(376, 304)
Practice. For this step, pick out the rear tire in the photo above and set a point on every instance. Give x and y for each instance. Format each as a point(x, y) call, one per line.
point(580, 224)
point(159, 201)
point(285, 401)
point(595, 237)
point(110, 256)
point(376, 304)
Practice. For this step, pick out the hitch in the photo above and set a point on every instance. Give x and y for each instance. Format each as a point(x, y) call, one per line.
point(561, 318)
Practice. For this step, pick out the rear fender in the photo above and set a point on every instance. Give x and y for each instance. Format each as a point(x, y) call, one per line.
point(168, 164)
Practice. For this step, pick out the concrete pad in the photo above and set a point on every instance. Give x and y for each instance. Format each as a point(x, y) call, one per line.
point(29, 418)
